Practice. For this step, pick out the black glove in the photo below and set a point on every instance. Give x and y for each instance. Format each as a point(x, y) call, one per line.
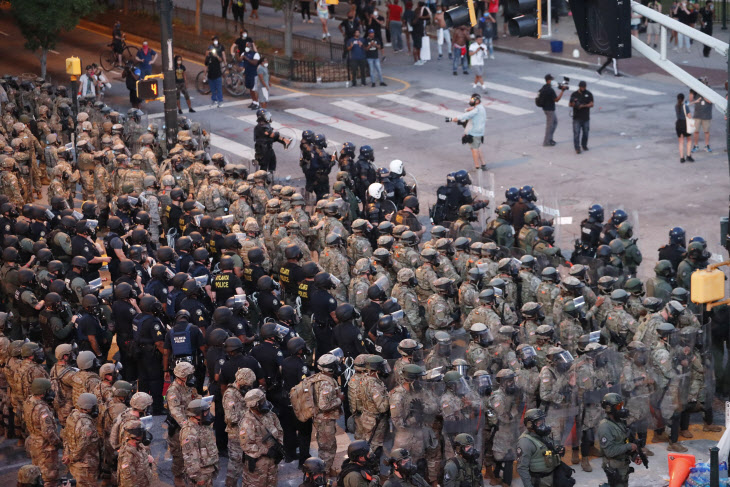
point(274, 454)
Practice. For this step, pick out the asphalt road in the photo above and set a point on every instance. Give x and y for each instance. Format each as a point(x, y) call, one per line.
point(632, 164)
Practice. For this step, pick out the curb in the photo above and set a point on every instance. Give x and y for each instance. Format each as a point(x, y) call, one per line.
point(547, 58)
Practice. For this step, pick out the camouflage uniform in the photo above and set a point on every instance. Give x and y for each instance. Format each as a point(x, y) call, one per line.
point(547, 293)
point(528, 381)
point(477, 357)
point(234, 410)
point(43, 441)
point(569, 330)
point(134, 177)
point(134, 468)
point(196, 172)
point(102, 187)
point(621, 327)
point(86, 167)
point(358, 247)
point(332, 260)
point(260, 196)
point(254, 433)
point(409, 432)
point(484, 314)
point(84, 381)
point(668, 380)
point(29, 372)
point(504, 442)
point(557, 394)
point(454, 409)
point(9, 185)
point(529, 284)
point(328, 406)
point(425, 275)
point(216, 199)
point(240, 210)
point(408, 301)
point(468, 297)
point(373, 397)
point(152, 207)
point(182, 180)
point(638, 385)
point(646, 331)
point(81, 445)
point(112, 410)
point(358, 291)
point(200, 454)
point(439, 314)
point(178, 397)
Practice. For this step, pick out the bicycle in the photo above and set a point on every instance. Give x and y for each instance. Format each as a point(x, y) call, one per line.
point(108, 58)
point(233, 81)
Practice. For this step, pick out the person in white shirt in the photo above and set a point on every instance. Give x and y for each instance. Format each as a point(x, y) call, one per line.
point(87, 82)
point(477, 53)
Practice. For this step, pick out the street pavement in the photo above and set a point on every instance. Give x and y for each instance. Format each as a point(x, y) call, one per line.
point(632, 164)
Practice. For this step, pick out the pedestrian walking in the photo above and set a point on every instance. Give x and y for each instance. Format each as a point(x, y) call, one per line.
point(477, 53)
point(652, 28)
point(443, 34)
point(181, 82)
point(581, 101)
point(488, 27)
point(685, 16)
point(372, 54)
point(263, 85)
point(358, 58)
point(238, 7)
point(703, 118)
point(706, 18)
point(213, 59)
point(681, 126)
point(458, 49)
point(609, 60)
point(146, 57)
point(547, 99)
point(323, 14)
point(395, 25)
point(304, 6)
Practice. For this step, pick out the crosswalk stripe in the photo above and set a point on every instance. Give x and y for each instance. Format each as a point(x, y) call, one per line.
point(421, 105)
point(611, 84)
point(227, 104)
point(336, 123)
point(518, 92)
point(251, 120)
point(231, 146)
point(595, 92)
point(383, 116)
point(487, 104)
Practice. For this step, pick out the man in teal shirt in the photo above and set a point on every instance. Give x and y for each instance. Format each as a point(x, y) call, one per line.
point(476, 118)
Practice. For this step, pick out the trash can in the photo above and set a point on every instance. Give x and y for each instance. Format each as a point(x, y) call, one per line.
point(556, 46)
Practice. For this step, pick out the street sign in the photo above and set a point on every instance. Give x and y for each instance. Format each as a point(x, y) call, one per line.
point(147, 89)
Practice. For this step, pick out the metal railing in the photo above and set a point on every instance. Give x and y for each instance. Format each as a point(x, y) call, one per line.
point(308, 71)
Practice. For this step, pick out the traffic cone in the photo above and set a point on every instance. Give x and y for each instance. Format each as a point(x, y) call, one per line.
point(679, 465)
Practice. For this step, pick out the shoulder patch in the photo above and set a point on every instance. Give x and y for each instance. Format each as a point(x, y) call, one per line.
point(604, 440)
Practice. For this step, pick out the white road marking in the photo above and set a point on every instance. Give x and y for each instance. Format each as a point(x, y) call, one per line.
point(518, 92)
point(595, 92)
point(231, 146)
point(336, 123)
point(204, 108)
point(421, 105)
point(487, 104)
point(383, 116)
point(612, 84)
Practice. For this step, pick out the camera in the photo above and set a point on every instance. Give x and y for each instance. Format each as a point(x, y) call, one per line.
point(65, 482)
point(565, 84)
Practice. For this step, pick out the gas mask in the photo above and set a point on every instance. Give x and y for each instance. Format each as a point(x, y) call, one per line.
point(412, 282)
point(191, 381)
point(94, 413)
point(541, 429)
point(146, 438)
point(444, 349)
point(641, 358)
point(206, 419)
point(265, 407)
point(416, 386)
point(317, 480)
point(49, 396)
point(470, 453)
point(510, 388)
point(39, 356)
point(406, 468)
point(621, 413)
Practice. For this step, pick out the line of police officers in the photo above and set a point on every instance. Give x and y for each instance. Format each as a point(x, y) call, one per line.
point(252, 286)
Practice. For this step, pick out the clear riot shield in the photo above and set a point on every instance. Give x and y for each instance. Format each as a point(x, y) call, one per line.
point(640, 391)
point(462, 410)
point(484, 189)
point(597, 372)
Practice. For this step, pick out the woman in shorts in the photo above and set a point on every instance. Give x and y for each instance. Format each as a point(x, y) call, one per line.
point(324, 14)
point(685, 139)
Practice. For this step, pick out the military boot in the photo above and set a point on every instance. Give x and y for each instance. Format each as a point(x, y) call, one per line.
point(712, 428)
point(686, 434)
point(585, 465)
point(660, 437)
point(575, 458)
point(676, 447)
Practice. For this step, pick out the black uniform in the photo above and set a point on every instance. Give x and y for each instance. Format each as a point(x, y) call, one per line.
point(199, 313)
point(264, 146)
point(297, 435)
point(349, 338)
point(323, 304)
point(290, 276)
point(88, 325)
point(81, 246)
point(399, 190)
point(148, 331)
point(319, 172)
point(364, 176)
point(673, 253)
point(251, 275)
point(184, 262)
point(590, 238)
point(268, 305)
point(387, 346)
point(124, 314)
point(609, 233)
point(184, 341)
point(112, 242)
point(224, 285)
point(158, 289)
point(270, 357)
point(370, 315)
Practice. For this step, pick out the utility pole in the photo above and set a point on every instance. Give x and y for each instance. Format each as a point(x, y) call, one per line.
point(168, 69)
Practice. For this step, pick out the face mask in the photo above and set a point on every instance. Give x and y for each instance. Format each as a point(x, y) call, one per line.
point(191, 381)
point(471, 454)
point(622, 413)
point(147, 438)
point(215, 43)
point(317, 480)
point(265, 407)
point(266, 65)
point(244, 35)
point(542, 429)
point(407, 469)
point(39, 356)
point(179, 63)
point(94, 413)
point(49, 396)
point(207, 419)
point(248, 49)
point(510, 389)
point(641, 359)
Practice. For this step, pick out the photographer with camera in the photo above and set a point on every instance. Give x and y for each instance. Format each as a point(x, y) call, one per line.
point(474, 120)
point(546, 99)
point(581, 102)
point(215, 56)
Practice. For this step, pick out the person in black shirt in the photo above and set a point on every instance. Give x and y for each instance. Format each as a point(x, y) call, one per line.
point(268, 303)
point(198, 311)
point(348, 27)
point(226, 284)
point(182, 247)
point(304, 292)
point(213, 59)
point(387, 343)
point(181, 81)
point(294, 368)
point(199, 268)
point(581, 101)
point(323, 305)
point(89, 333)
point(371, 311)
point(244, 332)
point(348, 336)
point(82, 245)
point(184, 342)
point(269, 355)
point(253, 272)
point(124, 309)
point(548, 99)
point(149, 337)
point(408, 216)
point(287, 317)
point(157, 286)
point(237, 360)
point(290, 274)
point(707, 14)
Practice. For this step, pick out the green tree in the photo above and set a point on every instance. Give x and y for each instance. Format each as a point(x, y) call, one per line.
point(42, 21)
point(287, 6)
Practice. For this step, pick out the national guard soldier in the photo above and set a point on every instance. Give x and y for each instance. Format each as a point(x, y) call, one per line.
point(411, 352)
point(31, 368)
point(462, 227)
point(373, 399)
point(614, 436)
point(445, 267)
point(426, 276)
point(537, 455)
point(632, 255)
point(485, 313)
point(500, 229)
point(571, 326)
point(328, 406)
point(404, 473)
point(528, 375)
point(406, 253)
point(12, 369)
point(81, 442)
point(26, 301)
point(360, 283)
point(661, 284)
point(533, 318)
point(136, 467)
point(179, 394)
point(234, 408)
point(557, 388)
point(634, 305)
point(404, 293)
point(620, 325)
point(333, 261)
point(85, 379)
point(477, 352)
point(30, 476)
point(692, 262)
point(528, 280)
point(527, 235)
point(261, 436)
point(43, 440)
point(547, 292)
point(121, 392)
point(151, 205)
point(638, 383)
point(62, 379)
point(463, 469)
point(455, 408)
point(441, 310)
point(9, 185)
point(664, 361)
point(200, 454)
point(503, 403)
